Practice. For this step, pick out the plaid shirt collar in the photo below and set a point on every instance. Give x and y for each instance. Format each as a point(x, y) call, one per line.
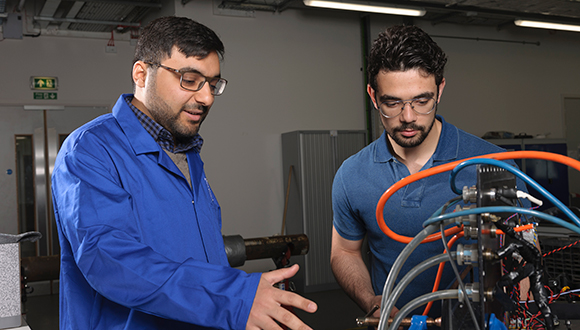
point(161, 135)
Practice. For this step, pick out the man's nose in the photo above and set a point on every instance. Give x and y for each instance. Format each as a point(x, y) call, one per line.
point(408, 114)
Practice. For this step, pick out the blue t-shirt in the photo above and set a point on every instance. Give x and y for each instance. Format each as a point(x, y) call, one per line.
point(364, 177)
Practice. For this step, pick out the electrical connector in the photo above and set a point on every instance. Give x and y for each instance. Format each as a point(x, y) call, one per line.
point(469, 194)
point(471, 292)
point(467, 254)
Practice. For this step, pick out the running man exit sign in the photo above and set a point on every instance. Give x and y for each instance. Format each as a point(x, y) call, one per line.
point(44, 83)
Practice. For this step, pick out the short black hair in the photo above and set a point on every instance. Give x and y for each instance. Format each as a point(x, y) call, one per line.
point(405, 47)
point(190, 37)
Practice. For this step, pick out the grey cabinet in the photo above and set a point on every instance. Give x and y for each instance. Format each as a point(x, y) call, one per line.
point(311, 159)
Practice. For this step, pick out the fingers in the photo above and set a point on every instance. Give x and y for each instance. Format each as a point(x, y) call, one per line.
point(266, 315)
point(394, 311)
point(272, 322)
point(376, 301)
point(289, 319)
point(281, 274)
point(295, 300)
point(268, 307)
point(259, 322)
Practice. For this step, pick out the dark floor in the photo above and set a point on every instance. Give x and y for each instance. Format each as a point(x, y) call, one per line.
point(335, 311)
point(41, 312)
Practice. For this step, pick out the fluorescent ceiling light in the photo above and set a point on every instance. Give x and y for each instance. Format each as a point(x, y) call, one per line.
point(44, 107)
point(545, 25)
point(366, 7)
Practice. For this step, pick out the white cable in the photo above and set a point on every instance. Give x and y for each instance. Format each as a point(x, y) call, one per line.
point(521, 194)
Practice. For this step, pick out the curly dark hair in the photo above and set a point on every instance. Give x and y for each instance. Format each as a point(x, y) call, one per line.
point(190, 37)
point(405, 47)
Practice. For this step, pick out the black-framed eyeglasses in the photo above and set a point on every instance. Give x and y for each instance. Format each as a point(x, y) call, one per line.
point(194, 81)
point(421, 105)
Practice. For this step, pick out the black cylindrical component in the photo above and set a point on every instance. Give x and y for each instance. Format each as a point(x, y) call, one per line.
point(276, 246)
point(239, 250)
point(235, 250)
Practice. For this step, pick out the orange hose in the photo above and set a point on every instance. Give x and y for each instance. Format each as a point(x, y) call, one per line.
point(518, 229)
point(448, 167)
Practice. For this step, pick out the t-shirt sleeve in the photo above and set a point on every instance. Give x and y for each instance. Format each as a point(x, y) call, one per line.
point(346, 219)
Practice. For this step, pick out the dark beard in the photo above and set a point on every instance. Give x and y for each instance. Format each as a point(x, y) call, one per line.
point(171, 123)
point(414, 141)
point(162, 113)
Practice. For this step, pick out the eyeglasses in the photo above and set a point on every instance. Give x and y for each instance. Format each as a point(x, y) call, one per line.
point(422, 106)
point(194, 81)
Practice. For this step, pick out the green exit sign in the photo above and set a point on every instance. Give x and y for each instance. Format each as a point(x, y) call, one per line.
point(45, 95)
point(44, 83)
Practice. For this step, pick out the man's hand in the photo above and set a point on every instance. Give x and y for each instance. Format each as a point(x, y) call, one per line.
point(267, 308)
point(376, 301)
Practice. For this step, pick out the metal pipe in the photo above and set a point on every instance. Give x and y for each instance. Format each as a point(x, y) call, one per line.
point(84, 21)
point(238, 250)
point(417, 302)
point(276, 246)
point(406, 280)
point(130, 3)
point(374, 321)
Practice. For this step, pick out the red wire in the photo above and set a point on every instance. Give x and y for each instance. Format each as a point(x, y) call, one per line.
point(112, 40)
point(561, 248)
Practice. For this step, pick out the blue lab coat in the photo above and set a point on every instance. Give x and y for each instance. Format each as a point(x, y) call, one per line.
point(140, 248)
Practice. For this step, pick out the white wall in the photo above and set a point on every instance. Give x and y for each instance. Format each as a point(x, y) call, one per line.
point(86, 74)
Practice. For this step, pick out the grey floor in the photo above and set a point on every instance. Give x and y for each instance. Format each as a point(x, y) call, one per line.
point(335, 311)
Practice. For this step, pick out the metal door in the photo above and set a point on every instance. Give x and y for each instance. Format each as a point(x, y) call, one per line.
point(31, 138)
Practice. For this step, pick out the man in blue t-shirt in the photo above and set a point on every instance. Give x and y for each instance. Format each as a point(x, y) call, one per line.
point(405, 69)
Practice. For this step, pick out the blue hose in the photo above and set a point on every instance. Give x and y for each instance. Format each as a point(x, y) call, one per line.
point(503, 209)
point(531, 182)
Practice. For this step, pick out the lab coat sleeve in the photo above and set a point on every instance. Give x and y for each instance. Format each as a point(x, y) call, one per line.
point(94, 212)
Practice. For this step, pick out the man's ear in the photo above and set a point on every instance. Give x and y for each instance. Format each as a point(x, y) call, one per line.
point(372, 95)
point(441, 87)
point(139, 74)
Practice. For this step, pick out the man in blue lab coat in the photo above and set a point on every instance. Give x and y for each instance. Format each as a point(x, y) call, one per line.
point(139, 226)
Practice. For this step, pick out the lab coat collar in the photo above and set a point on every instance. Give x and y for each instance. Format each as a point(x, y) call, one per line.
point(140, 140)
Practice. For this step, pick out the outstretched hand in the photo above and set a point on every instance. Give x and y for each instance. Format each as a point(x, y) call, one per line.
point(268, 309)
